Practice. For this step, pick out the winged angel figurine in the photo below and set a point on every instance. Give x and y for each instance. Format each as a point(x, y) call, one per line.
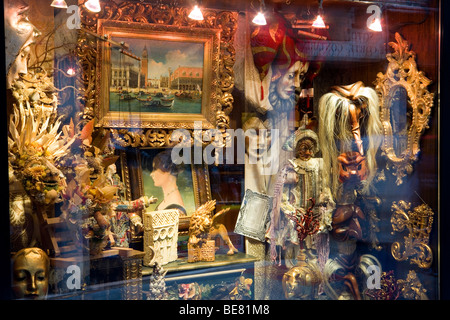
point(205, 226)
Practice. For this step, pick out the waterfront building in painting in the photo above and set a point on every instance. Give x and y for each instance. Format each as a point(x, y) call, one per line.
point(186, 78)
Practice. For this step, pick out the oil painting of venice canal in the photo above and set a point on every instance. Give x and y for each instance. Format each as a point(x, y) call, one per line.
point(167, 79)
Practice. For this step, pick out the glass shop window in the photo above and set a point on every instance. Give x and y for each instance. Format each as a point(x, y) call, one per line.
point(301, 164)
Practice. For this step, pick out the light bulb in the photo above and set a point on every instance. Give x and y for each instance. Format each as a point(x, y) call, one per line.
point(196, 13)
point(259, 19)
point(318, 23)
point(70, 72)
point(93, 5)
point(376, 25)
point(59, 4)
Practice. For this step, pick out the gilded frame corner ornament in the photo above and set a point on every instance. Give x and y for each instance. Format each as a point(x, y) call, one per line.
point(158, 17)
point(402, 73)
point(418, 222)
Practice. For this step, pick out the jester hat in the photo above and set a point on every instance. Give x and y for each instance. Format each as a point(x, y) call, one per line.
point(274, 44)
point(289, 53)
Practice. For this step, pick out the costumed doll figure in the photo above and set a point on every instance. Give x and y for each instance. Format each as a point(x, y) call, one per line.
point(298, 186)
point(349, 133)
point(91, 196)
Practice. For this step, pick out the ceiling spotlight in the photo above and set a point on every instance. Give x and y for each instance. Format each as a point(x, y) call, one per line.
point(376, 25)
point(318, 23)
point(93, 5)
point(259, 19)
point(70, 71)
point(196, 13)
point(59, 4)
point(374, 21)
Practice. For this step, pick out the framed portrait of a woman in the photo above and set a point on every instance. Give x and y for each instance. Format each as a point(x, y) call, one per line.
point(151, 172)
point(170, 183)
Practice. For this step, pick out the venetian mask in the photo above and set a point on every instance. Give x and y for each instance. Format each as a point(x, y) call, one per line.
point(304, 142)
point(42, 180)
point(305, 149)
point(258, 139)
point(30, 274)
point(347, 222)
point(290, 80)
point(19, 34)
point(302, 281)
point(352, 167)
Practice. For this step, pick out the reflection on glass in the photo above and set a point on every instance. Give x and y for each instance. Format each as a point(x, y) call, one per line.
point(400, 118)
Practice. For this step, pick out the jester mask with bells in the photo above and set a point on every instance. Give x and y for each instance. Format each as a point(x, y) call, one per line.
point(349, 124)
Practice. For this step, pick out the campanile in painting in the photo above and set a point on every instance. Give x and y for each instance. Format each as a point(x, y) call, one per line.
point(144, 66)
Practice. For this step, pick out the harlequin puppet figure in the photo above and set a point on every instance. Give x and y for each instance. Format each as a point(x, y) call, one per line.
point(275, 69)
point(265, 42)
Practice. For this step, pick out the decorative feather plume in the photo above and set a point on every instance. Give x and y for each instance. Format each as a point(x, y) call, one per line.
point(35, 144)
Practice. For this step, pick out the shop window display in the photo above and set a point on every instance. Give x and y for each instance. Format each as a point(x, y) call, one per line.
point(158, 157)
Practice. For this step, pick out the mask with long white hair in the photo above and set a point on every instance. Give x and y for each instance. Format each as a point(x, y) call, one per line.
point(349, 122)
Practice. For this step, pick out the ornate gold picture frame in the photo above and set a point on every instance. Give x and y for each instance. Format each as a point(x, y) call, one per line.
point(405, 108)
point(153, 130)
point(167, 77)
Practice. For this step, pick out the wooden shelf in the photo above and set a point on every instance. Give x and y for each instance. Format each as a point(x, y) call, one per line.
point(221, 260)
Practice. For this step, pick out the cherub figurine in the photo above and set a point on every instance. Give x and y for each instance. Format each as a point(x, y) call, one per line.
point(205, 226)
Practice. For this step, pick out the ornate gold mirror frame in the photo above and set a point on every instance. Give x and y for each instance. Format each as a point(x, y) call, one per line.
point(158, 15)
point(403, 85)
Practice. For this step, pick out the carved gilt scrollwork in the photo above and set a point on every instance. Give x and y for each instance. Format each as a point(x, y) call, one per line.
point(405, 108)
point(162, 15)
point(419, 223)
point(411, 288)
